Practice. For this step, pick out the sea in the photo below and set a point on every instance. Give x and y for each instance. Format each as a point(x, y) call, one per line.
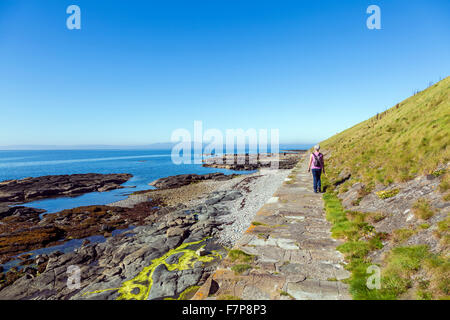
point(145, 166)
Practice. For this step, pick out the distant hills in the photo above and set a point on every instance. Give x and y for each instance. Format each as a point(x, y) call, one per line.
point(153, 146)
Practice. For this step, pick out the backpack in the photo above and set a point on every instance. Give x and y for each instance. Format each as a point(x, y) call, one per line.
point(317, 160)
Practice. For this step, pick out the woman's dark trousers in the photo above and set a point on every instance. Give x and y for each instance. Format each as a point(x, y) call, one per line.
point(316, 177)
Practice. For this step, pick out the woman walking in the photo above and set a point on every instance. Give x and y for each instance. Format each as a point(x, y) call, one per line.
point(317, 165)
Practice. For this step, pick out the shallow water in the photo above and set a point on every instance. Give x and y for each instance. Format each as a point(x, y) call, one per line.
point(145, 166)
point(65, 247)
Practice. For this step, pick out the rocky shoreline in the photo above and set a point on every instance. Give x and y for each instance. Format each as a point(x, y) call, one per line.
point(23, 229)
point(179, 236)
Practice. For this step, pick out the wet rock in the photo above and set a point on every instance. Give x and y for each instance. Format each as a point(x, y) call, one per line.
point(26, 240)
point(202, 217)
point(175, 231)
point(164, 283)
point(20, 213)
point(232, 195)
point(30, 270)
point(174, 241)
point(188, 278)
point(241, 162)
point(55, 254)
point(201, 252)
point(185, 179)
point(136, 255)
point(211, 211)
point(31, 189)
point(174, 258)
point(25, 256)
point(40, 259)
point(212, 201)
point(106, 228)
point(110, 272)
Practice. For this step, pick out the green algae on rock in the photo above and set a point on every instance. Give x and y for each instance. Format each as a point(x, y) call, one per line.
point(139, 287)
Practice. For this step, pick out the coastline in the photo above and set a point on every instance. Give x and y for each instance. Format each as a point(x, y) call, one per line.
point(215, 210)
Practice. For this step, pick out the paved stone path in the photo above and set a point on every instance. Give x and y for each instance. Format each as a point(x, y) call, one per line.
point(293, 254)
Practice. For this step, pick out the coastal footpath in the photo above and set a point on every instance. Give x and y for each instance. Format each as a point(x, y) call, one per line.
point(286, 254)
point(385, 208)
point(387, 201)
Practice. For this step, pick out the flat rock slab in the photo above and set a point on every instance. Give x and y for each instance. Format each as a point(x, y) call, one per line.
point(31, 189)
point(293, 254)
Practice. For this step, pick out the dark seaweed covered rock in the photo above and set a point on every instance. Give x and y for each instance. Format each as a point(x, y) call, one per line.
point(31, 189)
point(185, 179)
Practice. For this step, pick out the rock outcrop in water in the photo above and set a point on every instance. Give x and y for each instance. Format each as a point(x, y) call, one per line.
point(185, 179)
point(31, 189)
point(246, 162)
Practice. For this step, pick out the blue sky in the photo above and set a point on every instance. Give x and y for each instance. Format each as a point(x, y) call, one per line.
point(137, 70)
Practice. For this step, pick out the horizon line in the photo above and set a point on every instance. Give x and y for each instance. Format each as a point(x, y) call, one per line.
point(109, 146)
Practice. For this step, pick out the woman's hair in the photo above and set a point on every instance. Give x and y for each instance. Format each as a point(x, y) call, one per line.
point(317, 147)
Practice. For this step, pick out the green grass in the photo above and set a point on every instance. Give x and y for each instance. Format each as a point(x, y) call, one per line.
point(284, 293)
point(444, 225)
point(188, 293)
point(422, 209)
point(228, 297)
point(375, 217)
point(343, 228)
point(444, 186)
point(401, 235)
point(443, 232)
point(240, 268)
point(400, 143)
point(400, 264)
point(256, 223)
point(404, 262)
point(439, 172)
point(446, 197)
point(239, 255)
point(360, 241)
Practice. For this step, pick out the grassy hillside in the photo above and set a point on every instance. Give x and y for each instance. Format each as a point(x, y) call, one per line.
point(408, 139)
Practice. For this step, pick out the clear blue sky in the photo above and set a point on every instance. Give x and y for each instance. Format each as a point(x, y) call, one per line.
point(137, 70)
